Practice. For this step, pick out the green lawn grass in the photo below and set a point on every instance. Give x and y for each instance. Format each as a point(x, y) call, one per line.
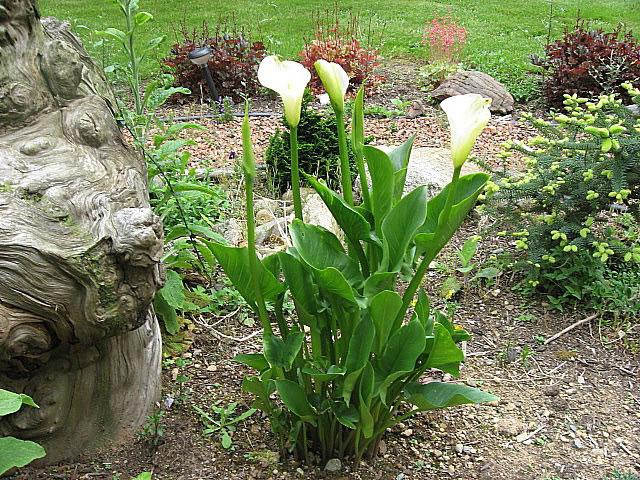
point(501, 33)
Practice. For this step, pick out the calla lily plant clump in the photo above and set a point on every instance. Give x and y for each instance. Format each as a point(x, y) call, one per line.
point(349, 363)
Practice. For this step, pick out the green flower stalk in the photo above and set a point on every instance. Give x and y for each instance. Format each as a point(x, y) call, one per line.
point(249, 169)
point(357, 144)
point(336, 81)
point(289, 80)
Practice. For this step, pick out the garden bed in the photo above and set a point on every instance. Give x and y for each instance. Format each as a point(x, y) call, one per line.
point(567, 410)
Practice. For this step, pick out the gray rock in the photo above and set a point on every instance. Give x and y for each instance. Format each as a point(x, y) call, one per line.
point(232, 230)
point(315, 212)
point(333, 466)
point(476, 82)
point(510, 426)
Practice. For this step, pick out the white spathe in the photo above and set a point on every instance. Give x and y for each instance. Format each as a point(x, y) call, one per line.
point(335, 81)
point(288, 79)
point(468, 115)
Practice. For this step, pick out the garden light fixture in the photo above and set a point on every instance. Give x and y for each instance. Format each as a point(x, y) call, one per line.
point(200, 57)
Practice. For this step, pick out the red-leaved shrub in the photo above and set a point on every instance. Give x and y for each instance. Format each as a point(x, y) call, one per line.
point(589, 63)
point(344, 44)
point(233, 64)
point(445, 39)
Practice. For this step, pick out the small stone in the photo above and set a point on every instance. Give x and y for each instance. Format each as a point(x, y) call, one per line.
point(459, 448)
point(570, 391)
point(469, 450)
point(212, 368)
point(401, 476)
point(578, 443)
point(552, 390)
point(333, 466)
point(408, 432)
point(382, 447)
point(300, 472)
point(522, 437)
point(437, 453)
point(509, 426)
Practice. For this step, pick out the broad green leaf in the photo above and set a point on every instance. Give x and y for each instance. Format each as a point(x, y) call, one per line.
point(332, 372)
point(331, 281)
point(434, 395)
point(378, 282)
point(466, 193)
point(16, 453)
point(282, 353)
point(252, 360)
point(167, 312)
point(11, 402)
point(383, 310)
point(235, 262)
point(352, 223)
point(347, 415)
point(382, 184)
point(487, 273)
point(173, 290)
point(295, 399)
point(225, 439)
point(399, 358)
point(357, 355)
point(321, 249)
point(423, 311)
point(115, 34)
point(444, 354)
point(141, 18)
point(300, 283)
point(467, 251)
point(256, 386)
point(400, 157)
point(400, 226)
point(458, 334)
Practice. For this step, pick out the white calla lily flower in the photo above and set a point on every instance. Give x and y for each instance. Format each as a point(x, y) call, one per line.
point(468, 115)
point(335, 81)
point(288, 79)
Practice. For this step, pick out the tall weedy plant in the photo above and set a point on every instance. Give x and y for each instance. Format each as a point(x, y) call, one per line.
point(349, 364)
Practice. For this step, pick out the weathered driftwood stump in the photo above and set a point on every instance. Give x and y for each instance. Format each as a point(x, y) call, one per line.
point(79, 246)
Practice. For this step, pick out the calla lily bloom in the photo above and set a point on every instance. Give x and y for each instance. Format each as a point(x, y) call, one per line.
point(335, 81)
point(288, 79)
point(468, 115)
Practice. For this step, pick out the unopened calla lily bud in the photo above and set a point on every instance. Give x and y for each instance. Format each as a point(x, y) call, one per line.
point(335, 81)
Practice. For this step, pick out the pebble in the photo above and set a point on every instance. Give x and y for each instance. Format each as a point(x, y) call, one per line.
point(334, 465)
point(408, 432)
point(459, 448)
point(437, 453)
point(552, 390)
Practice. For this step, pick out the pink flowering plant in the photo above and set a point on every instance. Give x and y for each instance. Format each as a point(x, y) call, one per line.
point(445, 39)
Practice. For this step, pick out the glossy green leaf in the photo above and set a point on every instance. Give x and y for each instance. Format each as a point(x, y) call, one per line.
point(300, 283)
point(357, 355)
point(383, 310)
point(443, 353)
point(16, 453)
point(330, 374)
point(381, 171)
point(252, 360)
point(400, 157)
point(466, 193)
point(347, 415)
point(400, 226)
point(321, 249)
point(434, 395)
point(352, 223)
point(282, 353)
point(235, 262)
point(295, 399)
point(423, 311)
point(399, 358)
point(173, 290)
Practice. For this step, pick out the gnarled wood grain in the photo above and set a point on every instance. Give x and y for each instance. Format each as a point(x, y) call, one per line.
point(79, 246)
